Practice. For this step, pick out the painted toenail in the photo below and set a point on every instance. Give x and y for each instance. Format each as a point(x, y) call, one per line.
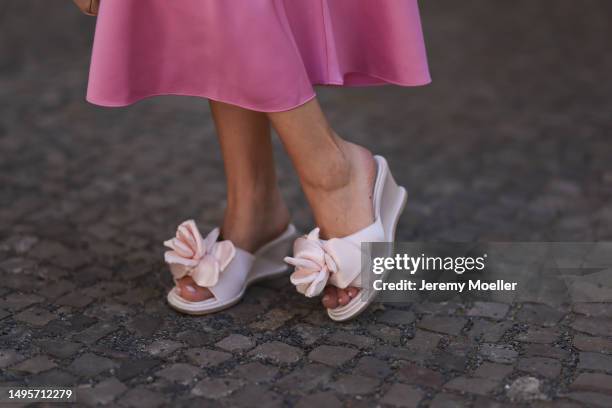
point(190, 289)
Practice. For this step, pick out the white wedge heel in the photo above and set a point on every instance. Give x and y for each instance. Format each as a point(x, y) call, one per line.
point(337, 261)
point(223, 269)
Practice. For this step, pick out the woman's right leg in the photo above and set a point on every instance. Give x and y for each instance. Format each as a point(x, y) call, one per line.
point(255, 212)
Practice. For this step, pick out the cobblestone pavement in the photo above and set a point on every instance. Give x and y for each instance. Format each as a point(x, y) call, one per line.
point(511, 142)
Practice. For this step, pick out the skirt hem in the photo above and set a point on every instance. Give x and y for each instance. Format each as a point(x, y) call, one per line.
point(119, 104)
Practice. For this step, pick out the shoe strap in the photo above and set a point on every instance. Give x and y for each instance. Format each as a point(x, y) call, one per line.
point(233, 277)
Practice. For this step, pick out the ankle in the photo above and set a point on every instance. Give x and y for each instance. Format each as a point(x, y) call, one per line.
point(331, 171)
point(339, 170)
point(254, 220)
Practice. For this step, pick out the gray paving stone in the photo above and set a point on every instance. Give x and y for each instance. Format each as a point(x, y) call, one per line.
point(478, 386)
point(255, 372)
point(21, 244)
point(332, 355)
point(137, 295)
point(131, 368)
point(196, 338)
point(163, 347)
point(104, 289)
point(372, 367)
point(355, 384)
point(103, 393)
point(492, 371)
point(97, 273)
point(392, 335)
point(357, 340)
point(78, 322)
point(236, 342)
point(593, 382)
point(539, 335)
point(411, 373)
point(596, 344)
point(593, 326)
point(144, 325)
point(591, 399)
point(19, 301)
point(498, 353)
point(57, 289)
point(443, 324)
point(74, 299)
point(142, 398)
point(546, 367)
point(277, 352)
point(401, 353)
point(449, 361)
point(460, 346)
point(539, 314)
point(89, 364)
point(206, 357)
point(245, 397)
point(216, 388)
point(180, 373)
point(9, 357)
point(525, 389)
point(309, 377)
point(489, 309)
point(35, 316)
point(595, 361)
point(245, 313)
point(108, 310)
point(400, 395)
point(35, 365)
point(445, 400)
point(51, 378)
point(272, 320)
point(396, 317)
point(593, 309)
point(490, 332)
point(308, 334)
point(195, 402)
point(95, 332)
point(545, 350)
point(423, 341)
point(319, 400)
point(59, 348)
point(18, 266)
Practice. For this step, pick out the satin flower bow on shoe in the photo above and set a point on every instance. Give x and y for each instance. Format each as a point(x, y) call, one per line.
point(318, 261)
point(201, 258)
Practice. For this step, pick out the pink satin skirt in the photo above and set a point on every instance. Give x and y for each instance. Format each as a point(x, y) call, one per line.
point(263, 55)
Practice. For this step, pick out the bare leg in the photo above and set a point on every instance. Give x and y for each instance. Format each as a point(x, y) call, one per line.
point(256, 212)
point(337, 177)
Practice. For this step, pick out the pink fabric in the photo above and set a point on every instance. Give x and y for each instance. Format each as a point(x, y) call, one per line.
point(201, 258)
point(264, 55)
point(318, 261)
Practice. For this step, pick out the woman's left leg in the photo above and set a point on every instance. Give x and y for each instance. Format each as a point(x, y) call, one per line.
point(255, 212)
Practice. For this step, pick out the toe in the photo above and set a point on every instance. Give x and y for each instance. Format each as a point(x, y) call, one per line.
point(343, 297)
point(192, 292)
point(330, 297)
point(352, 291)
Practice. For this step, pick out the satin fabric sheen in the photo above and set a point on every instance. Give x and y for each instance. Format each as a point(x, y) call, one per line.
point(264, 55)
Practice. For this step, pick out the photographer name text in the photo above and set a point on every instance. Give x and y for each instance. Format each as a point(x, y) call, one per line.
point(475, 285)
